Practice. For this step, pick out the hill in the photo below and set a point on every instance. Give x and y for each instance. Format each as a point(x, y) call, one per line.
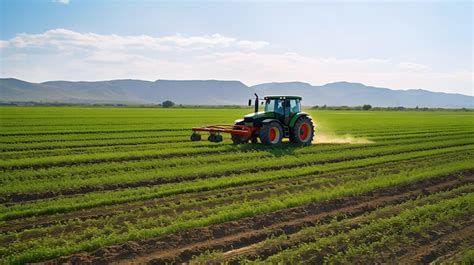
point(216, 92)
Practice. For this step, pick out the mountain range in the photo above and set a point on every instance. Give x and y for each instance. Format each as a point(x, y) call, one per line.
point(216, 92)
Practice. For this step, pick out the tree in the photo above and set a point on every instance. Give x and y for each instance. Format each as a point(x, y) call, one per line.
point(366, 107)
point(167, 104)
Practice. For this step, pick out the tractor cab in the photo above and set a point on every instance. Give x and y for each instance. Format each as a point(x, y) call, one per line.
point(283, 107)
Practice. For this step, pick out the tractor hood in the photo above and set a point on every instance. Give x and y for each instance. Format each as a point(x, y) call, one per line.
point(258, 115)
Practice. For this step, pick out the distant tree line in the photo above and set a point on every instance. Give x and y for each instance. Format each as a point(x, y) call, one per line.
point(399, 108)
point(169, 104)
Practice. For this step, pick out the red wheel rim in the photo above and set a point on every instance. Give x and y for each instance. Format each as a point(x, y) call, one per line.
point(304, 132)
point(272, 135)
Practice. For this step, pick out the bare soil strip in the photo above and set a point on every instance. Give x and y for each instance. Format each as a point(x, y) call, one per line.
point(438, 243)
point(181, 246)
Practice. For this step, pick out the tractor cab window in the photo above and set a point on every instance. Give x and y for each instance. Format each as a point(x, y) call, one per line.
point(295, 106)
point(292, 106)
point(274, 105)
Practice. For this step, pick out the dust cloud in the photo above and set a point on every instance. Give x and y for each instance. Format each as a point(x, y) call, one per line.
point(326, 138)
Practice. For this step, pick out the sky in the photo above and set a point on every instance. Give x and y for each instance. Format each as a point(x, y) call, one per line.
point(398, 44)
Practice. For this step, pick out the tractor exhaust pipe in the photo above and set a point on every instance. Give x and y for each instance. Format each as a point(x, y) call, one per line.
point(256, 102)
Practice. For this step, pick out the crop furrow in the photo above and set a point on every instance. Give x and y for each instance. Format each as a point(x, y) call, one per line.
point(270, 167)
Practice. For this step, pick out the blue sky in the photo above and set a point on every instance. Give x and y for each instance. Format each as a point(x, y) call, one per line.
point(399, 45)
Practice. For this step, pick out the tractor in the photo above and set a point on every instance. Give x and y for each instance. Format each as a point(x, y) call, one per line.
point(281, 118)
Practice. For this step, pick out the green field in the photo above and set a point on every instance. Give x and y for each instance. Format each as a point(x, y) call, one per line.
point(125, 184)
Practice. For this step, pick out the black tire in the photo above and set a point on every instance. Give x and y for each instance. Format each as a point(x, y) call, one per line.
point(211, 138)
point(195, 137)
point(254, 139)
point(271, 133)
point(215, 138)
point(218, 138)
point(303, 131)
point(238, 139)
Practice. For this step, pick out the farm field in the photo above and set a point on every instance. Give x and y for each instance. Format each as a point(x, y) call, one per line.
point(125, 185)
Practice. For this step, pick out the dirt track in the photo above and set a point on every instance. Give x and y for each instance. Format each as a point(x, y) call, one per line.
point(238, 236)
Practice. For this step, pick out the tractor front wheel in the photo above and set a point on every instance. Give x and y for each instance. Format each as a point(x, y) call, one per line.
point(271, 133)
point(303, 131)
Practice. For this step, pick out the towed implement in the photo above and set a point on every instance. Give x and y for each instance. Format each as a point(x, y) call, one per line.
point(281, 118)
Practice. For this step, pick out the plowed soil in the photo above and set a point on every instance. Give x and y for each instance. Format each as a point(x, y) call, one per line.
point(237, 237)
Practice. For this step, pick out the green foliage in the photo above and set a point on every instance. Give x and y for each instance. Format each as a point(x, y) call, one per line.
point(468, 257)
point(366, 107)
point(167, 104)
point(134, 174)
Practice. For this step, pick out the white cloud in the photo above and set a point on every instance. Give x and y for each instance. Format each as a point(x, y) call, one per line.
point(412, 66)
point(3, 44)
point(65, 2)
point(69, 55)
point(64, 39)
point(252, 45)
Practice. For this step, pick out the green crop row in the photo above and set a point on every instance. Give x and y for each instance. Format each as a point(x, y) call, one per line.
point(102, 146)
point(209, 199)
point(384, 234)
point(338, 224)
point(91, 238)
point(66, 204)
point(130, 155)
point(239, 154)
point(179, 132)
point(280, 186)
point(204, 170)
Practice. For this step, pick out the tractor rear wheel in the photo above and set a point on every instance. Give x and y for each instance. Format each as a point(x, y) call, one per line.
point(271, 133)
point(303, 131)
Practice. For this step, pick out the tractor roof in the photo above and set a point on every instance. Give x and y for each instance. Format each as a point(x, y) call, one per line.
point(282, 97)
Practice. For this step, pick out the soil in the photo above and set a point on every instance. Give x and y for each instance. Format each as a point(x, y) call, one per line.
point(243, 233)
point(439, 243)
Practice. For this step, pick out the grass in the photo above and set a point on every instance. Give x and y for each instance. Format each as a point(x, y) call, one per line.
point(75, 156)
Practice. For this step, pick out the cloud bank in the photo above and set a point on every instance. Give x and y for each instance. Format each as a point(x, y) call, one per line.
point(62, 54)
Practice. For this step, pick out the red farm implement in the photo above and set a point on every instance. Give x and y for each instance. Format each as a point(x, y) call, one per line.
point(215, 131)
